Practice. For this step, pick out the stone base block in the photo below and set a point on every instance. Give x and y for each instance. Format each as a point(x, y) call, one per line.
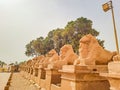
point(83, 78)
point(113, 75)
point(114, 67)
point(85, 68)
point(55, 87)
point(6, 87)
point(52, 77)
point(42, 83)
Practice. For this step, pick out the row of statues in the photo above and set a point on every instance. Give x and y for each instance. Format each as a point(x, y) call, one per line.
point(90, 53)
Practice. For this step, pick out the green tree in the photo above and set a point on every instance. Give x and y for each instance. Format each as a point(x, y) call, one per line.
point(58, 39)
point(2, 63)
point(75, 30)
point(29, 50)
point(35, 47)
point(38, 46)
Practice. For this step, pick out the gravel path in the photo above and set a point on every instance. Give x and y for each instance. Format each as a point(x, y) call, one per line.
point(20, 83)
point(3, 80)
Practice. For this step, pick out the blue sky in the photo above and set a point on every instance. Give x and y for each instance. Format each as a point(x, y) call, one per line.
point(24, 20)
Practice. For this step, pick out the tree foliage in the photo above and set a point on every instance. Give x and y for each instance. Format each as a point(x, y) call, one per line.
point(71, 34)
point(2, 63)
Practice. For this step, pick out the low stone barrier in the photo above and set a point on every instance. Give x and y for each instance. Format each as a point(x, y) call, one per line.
point(72, 77)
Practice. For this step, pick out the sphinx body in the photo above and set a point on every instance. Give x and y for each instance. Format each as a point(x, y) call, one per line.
point(91, 53)
point(67, 57)
point(39, 61)
point(116, 57)
point(51, 57)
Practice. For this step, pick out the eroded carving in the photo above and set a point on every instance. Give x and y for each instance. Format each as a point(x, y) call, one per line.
point(67, 57)
point(50, 58)
point(91, 53)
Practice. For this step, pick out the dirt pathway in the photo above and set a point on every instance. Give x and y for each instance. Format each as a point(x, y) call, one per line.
point(3, 80)
point(20, 83)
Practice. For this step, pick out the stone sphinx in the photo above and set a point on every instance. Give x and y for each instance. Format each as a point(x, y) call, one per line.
point(39, 60)
point(67, 57)
point(51, 57)
point(27, 63)
point(34, 61)
point(91, 53)
point(116, 57)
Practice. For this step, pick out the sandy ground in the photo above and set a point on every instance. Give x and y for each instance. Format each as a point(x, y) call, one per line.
point(20, 83)
point(3, 80)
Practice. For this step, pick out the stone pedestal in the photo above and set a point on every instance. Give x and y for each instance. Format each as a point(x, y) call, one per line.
point(55, 87)
point(113, 75)
point(114, 67)
point(52, 77)
point(32, 74)
point(42, 76)
point(83, 78)
point(113, 79)
point(39, 76)
point(36, 75)
point(28, 74)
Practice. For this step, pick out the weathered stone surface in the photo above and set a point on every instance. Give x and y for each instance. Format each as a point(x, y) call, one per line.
point(53, 59)
point(114, 83)
point(114, 67)
point(50, 58)
point(82, 79)
point(116, 57)
point(52, 77)
point(91, 53)
point(113, 74)
point(85, 68)
point(39, 61)
point(67, 57)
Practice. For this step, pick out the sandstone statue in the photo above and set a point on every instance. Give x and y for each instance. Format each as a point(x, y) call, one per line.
point(34, 61)
point(39, 60)
point(91, 53)
point(51, 57)
point(27, 63)
point(67, 57)
point(116, 57)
